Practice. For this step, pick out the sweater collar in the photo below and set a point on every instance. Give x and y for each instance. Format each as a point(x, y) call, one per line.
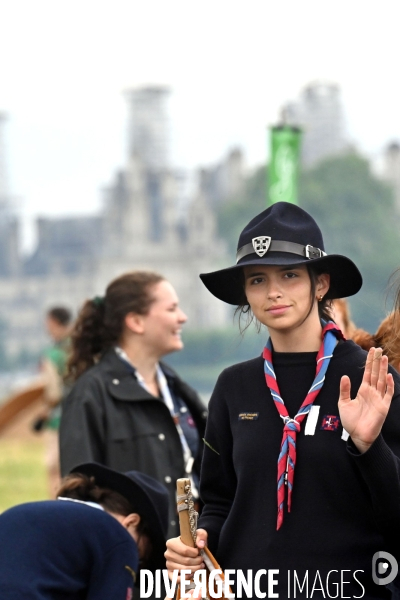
point(87, 502)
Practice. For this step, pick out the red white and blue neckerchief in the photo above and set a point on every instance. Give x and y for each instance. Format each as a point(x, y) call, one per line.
point(287, 456)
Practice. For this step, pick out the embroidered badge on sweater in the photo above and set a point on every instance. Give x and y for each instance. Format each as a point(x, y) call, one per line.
point(330, 422)
point(248, 416)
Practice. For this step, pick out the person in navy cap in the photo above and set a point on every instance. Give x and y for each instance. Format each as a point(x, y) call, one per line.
point(88, 544)
point(293, 480)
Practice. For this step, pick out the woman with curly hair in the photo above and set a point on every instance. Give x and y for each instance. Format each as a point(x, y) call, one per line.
point(127, 409)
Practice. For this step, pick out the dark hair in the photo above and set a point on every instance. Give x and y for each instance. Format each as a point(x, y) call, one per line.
point(244, 309)
point(60, 314)
point(81, 487)
point(100, 323)
point(325, 305)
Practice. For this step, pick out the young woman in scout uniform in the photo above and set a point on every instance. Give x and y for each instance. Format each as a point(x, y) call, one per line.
point(291, 479)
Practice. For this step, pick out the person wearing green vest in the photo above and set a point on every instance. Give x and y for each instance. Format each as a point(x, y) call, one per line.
point(53, 365)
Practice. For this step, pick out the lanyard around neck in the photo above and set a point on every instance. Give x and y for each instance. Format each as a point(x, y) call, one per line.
point(167, 397)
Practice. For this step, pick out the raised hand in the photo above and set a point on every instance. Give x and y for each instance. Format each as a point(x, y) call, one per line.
point(364, 416)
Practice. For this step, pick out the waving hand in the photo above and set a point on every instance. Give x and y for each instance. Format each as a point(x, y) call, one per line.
point(364, 416)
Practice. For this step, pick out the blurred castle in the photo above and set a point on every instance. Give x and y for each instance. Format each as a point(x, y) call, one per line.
point(145, 224)
point(319, 113)
point(391, 169)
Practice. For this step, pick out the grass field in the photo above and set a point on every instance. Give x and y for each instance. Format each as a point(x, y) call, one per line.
point(22, 472)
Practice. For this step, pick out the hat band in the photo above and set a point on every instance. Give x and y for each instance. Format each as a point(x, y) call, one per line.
point(308, 251)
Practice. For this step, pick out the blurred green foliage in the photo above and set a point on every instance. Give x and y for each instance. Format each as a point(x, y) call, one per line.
point(357, 215)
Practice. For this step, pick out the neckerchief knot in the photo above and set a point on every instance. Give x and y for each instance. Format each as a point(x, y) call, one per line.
point(292, 426)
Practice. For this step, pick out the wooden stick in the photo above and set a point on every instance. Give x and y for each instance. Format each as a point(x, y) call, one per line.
point(184, 517)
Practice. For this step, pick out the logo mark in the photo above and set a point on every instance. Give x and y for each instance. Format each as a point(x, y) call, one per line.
point(261, 244)
point(381, 561)
point(330, 422)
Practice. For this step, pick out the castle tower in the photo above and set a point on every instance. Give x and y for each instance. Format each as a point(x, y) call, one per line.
point(148, 144)
point(318, 111)
point(148, 126)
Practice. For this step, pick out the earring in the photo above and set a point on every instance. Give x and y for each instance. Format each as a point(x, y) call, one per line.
point(320, 298)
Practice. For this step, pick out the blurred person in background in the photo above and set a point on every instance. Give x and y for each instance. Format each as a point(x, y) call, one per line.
point(89, 543)
point(53, 367)
point(127, 409)
point(387, 336)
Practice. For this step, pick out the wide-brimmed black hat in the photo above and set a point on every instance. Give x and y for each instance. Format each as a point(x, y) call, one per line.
point(283, 234)
point(147, 496)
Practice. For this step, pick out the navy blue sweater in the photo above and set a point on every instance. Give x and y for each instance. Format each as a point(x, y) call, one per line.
point(64, 550)
point(345, 506)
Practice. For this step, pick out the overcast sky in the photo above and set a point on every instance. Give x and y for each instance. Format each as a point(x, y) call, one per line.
point(231, 65)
